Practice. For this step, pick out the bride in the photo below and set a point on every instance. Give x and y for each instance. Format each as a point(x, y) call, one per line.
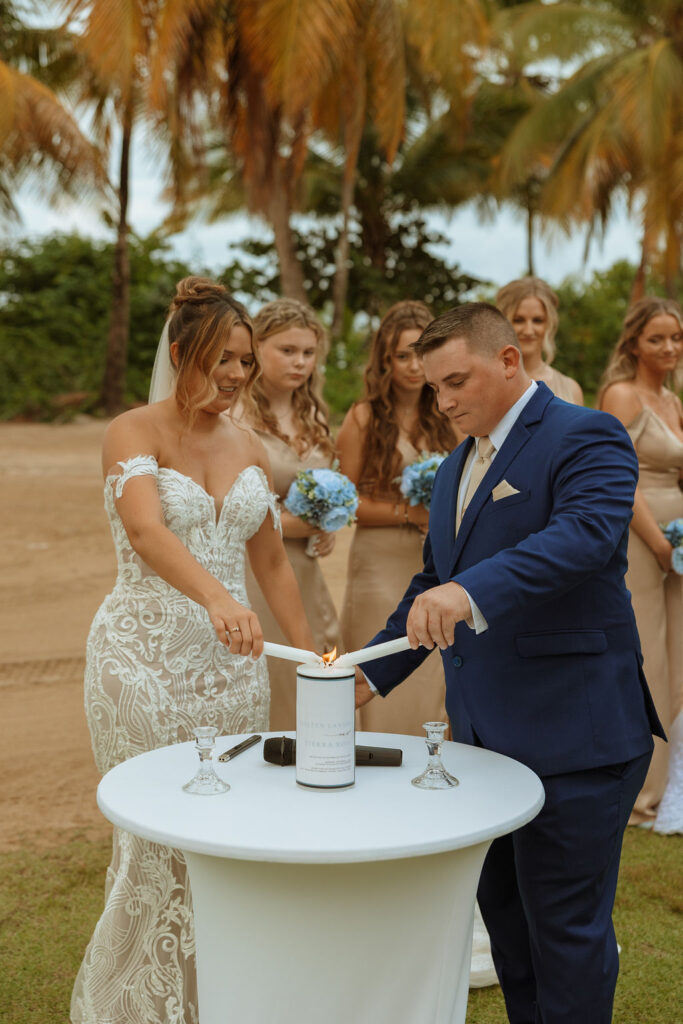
point(187, 491)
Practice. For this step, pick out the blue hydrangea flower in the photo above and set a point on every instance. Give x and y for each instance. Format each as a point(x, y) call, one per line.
point(417, 479)
point(324, 498)
point(296, 502)
point(334, 519)
point(673, 532)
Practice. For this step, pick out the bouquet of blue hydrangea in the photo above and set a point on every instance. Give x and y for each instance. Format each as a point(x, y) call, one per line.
point(416, 481)
point(673, 532)
point(324, 498)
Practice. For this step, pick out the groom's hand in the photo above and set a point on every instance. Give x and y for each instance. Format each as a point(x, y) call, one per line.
point(363, 692)
point(434, 615)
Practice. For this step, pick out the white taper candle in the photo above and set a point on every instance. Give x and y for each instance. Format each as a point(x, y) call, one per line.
point(297, 654)
point(402, 643)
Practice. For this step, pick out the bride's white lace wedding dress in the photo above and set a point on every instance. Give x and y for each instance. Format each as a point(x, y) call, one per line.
point(155, 671)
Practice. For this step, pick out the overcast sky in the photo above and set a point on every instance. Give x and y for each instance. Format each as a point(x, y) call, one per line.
point(494, 251)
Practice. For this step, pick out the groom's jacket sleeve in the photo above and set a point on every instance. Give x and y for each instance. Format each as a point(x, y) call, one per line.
point(591, 476)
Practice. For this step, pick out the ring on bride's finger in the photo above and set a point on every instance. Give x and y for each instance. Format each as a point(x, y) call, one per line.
point(235, 629)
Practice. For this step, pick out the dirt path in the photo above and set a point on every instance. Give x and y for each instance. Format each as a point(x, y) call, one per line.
point(56, 565)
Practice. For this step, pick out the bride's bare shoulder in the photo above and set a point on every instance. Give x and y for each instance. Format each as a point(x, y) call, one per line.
point(250, 443)
point(135, 432)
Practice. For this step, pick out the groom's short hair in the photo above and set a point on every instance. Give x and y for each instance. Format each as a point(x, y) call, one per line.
point(483, 327)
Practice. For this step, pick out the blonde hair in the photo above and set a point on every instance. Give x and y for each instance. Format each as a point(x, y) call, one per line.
point(510, 295)
point(202, 316)
point(623, 363)
point(309, 409)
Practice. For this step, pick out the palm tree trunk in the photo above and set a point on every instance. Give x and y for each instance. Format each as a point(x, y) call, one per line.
point(638, 286)
point(530, 240)
point(291, 274)
point(672, 262)
point(113, 383)
point(341, 272)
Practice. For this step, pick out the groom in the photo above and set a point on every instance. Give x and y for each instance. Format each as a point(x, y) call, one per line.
point(523, 591)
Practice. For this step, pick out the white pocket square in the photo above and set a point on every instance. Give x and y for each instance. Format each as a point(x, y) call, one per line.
point(503, 490)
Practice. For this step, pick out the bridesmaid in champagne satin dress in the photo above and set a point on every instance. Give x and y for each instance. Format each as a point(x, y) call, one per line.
point(648, 356)
point(395, 420)
point(287, 413)
point(531, 307)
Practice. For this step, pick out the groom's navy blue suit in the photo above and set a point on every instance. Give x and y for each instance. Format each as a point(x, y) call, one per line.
point(555, 682)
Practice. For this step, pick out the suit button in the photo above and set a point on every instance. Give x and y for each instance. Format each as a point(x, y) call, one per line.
point(457, 660)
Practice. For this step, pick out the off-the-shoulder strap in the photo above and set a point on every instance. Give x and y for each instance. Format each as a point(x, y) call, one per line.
point(273, 507)
point(139, 465)
point(272, 499)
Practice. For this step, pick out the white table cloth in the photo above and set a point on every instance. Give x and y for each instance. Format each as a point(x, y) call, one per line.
point(351, 905)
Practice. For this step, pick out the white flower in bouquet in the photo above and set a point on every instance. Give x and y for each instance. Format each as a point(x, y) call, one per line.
point(416, 481)
point(324, 498)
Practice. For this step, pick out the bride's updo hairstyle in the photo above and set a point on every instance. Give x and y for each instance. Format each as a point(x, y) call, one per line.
point(510, 295)
point(381, 458)
point(623, 362)
point(310, 411)
point(202, 316)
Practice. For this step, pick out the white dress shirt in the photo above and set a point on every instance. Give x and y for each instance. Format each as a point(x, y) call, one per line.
point(497, 436)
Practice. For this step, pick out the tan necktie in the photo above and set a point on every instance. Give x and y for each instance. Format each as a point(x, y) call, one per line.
point(485, 450)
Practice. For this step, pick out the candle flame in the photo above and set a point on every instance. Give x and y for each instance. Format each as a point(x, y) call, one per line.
point(330, 656)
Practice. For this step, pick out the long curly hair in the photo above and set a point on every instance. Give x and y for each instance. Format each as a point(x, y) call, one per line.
point(381, 458)
point(510, 295)
point(202, 315)
point(623, 362)
point(309, 409)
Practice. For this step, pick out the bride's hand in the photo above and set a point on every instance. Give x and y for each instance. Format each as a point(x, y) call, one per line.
point(236, 626)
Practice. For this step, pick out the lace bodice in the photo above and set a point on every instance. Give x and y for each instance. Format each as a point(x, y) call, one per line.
point(216, 538)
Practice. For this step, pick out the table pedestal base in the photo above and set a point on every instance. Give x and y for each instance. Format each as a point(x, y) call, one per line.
point(334, 943)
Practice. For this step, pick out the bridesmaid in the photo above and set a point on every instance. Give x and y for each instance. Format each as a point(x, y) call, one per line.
point(531, 307)
point(286, 410)
point(395, 420)
point(647, 358)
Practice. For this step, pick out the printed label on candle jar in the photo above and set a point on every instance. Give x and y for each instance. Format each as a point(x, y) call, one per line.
point(325, 731)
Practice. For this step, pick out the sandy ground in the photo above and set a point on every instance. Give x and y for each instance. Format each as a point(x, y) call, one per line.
point(56, 565)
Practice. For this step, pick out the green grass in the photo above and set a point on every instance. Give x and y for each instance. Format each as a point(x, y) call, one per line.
point(50, 900)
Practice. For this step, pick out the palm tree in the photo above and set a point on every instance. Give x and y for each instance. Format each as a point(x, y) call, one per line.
point(114, 38)
point(357, 55)
point(428, 48)
point(39, 138)
point(615, 126)
point(253, 68)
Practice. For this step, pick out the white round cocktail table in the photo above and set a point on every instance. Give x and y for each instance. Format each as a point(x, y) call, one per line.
point(337, 906)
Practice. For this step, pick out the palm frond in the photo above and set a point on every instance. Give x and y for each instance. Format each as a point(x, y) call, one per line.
point(449, 35)
point(115, 38)
point(296, 45)
point(45, 138)
point(565, 32)
point(384, 56)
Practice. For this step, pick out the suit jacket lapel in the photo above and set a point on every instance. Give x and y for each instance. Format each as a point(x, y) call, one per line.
point(522, 429)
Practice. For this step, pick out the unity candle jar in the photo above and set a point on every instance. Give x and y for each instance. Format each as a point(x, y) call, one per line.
point(325, 727)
